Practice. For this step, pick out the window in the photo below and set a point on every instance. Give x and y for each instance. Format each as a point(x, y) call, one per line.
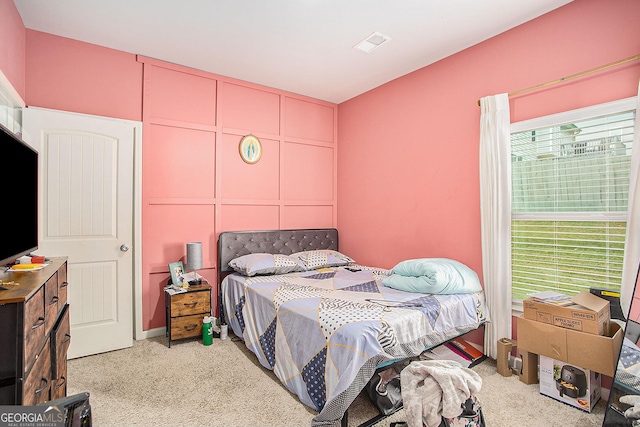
point(570, 184)
point(10, 108)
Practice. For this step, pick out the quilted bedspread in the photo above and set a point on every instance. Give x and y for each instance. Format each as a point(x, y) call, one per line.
point(628, 371)
point(324, 332)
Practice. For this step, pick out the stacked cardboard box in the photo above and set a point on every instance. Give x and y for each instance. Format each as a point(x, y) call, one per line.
point(581, 333)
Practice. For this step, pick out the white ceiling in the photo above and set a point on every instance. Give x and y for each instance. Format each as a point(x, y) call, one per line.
point(301, 46)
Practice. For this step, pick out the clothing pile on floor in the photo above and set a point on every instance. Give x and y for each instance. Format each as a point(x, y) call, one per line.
point(436, 389)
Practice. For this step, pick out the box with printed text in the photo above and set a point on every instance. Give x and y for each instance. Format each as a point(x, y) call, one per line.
point(585, 313)
point(569, 384)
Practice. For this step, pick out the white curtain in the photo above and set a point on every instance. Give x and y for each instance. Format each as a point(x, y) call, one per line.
point(495, 216)
point(632, 245)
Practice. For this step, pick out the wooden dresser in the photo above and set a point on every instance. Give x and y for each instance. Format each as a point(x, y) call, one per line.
point(186, 311)
point(34, 334)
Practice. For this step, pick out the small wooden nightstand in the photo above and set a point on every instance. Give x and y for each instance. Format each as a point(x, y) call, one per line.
point(185, 311)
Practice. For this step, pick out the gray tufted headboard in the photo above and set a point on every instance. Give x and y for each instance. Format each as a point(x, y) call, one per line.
point(232, 244)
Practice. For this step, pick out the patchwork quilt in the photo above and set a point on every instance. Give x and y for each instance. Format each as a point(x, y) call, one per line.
point(628, 371)
point(324, 332)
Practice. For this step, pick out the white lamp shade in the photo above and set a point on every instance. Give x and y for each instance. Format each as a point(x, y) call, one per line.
point(194, 255)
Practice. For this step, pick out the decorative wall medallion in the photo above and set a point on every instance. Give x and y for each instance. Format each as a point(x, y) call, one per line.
point(250, 149)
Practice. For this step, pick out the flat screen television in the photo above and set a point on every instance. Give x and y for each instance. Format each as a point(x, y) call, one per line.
point(19, 178)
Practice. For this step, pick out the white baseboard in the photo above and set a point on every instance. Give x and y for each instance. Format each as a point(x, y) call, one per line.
point(151, 333)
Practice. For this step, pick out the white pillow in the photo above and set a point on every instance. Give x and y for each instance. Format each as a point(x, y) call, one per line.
point(322, 258)
point(263, 264)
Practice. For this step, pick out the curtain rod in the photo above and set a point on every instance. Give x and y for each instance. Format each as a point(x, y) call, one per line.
point(573, 76)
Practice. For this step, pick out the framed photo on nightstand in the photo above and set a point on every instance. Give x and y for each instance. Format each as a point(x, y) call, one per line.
point(177, 270)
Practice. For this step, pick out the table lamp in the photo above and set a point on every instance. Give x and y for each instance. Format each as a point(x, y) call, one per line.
point(194, 259)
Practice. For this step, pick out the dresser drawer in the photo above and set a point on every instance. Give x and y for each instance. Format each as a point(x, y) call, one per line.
point(34, 327)
point(51, 302)
point(63, 284)
point(190, 303)
point(38, 382)
point(59, 383)
point(186, 326)
point(60, 341)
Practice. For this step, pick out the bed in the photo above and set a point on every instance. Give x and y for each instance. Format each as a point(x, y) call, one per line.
point(628, 369)
point(325, 330)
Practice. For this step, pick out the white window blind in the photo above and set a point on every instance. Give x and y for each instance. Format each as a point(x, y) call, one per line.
point(570, 183)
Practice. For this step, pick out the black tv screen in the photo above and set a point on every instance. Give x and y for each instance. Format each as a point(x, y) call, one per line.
point(19, 178)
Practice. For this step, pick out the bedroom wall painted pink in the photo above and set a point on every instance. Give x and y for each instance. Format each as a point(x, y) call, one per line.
point(68, 75)
point(12, 43)
point(408, 155)
point(408, 169)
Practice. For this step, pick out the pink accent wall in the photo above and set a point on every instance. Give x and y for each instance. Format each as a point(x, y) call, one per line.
point(195, 184)
point(408, 157)
point(12, 46)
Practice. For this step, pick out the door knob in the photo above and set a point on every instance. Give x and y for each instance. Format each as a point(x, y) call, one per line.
point(124, 247)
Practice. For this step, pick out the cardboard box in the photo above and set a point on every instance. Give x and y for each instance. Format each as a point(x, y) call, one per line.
point(529, 373)
point(588, 313)
point(569, 384)
point(504, 350)
point(598, 353)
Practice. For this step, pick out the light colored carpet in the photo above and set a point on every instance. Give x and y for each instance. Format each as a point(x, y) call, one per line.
point(190, 384)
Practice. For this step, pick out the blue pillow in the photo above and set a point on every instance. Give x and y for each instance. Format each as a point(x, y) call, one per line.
point(433, 276)
point(262, 264)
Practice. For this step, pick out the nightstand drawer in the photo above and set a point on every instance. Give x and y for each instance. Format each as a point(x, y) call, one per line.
point(186, 326)
point(190, 303)
point(185, 312)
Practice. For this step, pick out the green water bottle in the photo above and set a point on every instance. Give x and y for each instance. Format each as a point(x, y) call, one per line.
point(207, 331)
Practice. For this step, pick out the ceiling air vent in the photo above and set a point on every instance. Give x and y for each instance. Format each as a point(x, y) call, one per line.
point(372, 41)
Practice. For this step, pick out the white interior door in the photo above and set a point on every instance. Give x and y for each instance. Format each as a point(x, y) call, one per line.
point(86, 213)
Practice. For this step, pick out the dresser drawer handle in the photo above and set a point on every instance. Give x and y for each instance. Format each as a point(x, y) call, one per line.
point(46, 385)
point(191, 304)
point(64, 284)
point(62, 383)
point(54, 300)
point(39, 323)
point(190, 327)
point(67, 338)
